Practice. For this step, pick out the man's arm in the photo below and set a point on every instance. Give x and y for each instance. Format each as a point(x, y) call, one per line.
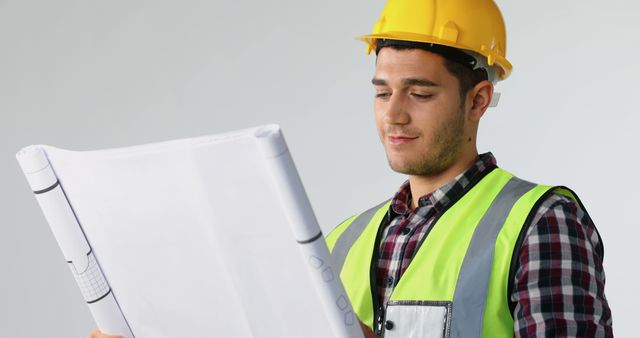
point(559, 282)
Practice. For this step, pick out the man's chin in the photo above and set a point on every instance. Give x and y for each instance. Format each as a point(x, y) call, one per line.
point(403, 168)
point(415, 169)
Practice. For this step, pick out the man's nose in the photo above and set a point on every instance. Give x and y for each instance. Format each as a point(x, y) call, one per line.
point(396, 112)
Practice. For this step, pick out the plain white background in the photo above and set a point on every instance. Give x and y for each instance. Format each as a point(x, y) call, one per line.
point(87, 74)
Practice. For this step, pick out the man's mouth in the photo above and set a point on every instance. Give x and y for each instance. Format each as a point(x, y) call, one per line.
point(400, 139)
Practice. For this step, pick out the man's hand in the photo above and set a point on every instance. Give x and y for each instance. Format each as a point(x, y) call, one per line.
point(98, 334)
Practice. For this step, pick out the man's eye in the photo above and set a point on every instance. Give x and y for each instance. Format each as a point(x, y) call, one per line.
point(383, 95)
point(422, 96)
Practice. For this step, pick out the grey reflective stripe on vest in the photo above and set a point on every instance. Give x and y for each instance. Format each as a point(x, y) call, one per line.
point(350, 235)
point(470, 296)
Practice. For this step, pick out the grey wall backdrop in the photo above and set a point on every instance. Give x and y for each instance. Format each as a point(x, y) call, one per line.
point(87, 74)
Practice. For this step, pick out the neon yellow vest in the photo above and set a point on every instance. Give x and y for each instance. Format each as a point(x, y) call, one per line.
point(457, 283)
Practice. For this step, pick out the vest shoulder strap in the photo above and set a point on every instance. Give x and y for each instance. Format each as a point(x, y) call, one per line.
point(341, 239)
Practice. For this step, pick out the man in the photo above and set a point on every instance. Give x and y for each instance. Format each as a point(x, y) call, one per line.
point(463, 249)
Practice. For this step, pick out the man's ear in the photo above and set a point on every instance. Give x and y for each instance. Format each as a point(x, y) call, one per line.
point(479, 98)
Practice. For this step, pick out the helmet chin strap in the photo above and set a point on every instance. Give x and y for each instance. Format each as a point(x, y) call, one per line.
point(495, 99)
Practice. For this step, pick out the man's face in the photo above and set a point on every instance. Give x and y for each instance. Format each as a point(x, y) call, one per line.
point(418, 109)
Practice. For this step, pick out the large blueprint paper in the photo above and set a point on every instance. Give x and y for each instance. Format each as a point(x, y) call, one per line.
point(204, 237)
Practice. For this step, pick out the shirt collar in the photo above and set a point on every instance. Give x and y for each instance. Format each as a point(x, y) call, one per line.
point(441, 197)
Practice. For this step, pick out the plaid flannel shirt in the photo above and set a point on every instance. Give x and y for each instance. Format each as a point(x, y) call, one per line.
point(558, 287)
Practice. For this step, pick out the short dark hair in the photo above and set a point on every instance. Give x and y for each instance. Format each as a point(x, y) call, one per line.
point(458, 63)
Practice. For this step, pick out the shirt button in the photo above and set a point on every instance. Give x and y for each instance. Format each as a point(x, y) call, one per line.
point(389, 281)
point(405, 231)
point(388, 325)
point(425, 202)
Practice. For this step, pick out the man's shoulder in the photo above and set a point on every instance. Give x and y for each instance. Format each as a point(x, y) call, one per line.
point(335, 233)
point(559, 202)
point(559, 197)
point(561, 216)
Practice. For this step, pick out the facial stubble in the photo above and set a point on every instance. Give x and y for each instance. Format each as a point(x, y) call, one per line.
point(447, 142)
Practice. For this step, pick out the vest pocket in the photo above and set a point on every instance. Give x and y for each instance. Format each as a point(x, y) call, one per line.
point(417, 319)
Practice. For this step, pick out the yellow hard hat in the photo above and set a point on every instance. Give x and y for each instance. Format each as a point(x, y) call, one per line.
point(471, 25)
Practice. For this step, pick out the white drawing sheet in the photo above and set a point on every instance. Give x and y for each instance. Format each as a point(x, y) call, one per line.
point(204, 237)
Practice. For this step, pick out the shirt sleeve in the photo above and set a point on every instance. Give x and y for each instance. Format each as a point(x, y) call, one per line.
point(559, 279)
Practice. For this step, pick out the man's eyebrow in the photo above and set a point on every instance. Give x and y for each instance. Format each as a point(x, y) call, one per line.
point(378, 82)
point(407, 82)
point(420, 82)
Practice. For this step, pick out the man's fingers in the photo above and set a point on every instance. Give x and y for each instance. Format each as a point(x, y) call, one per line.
point(98, 334)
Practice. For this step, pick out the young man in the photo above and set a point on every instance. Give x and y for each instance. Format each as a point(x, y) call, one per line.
point(463, 249)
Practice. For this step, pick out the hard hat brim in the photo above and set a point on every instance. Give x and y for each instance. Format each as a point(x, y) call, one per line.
point(502, 63)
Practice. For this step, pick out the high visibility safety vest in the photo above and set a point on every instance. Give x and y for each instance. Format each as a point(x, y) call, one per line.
point(458, 282)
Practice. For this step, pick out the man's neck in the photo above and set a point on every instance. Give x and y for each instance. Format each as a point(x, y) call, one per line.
point(426, 184)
